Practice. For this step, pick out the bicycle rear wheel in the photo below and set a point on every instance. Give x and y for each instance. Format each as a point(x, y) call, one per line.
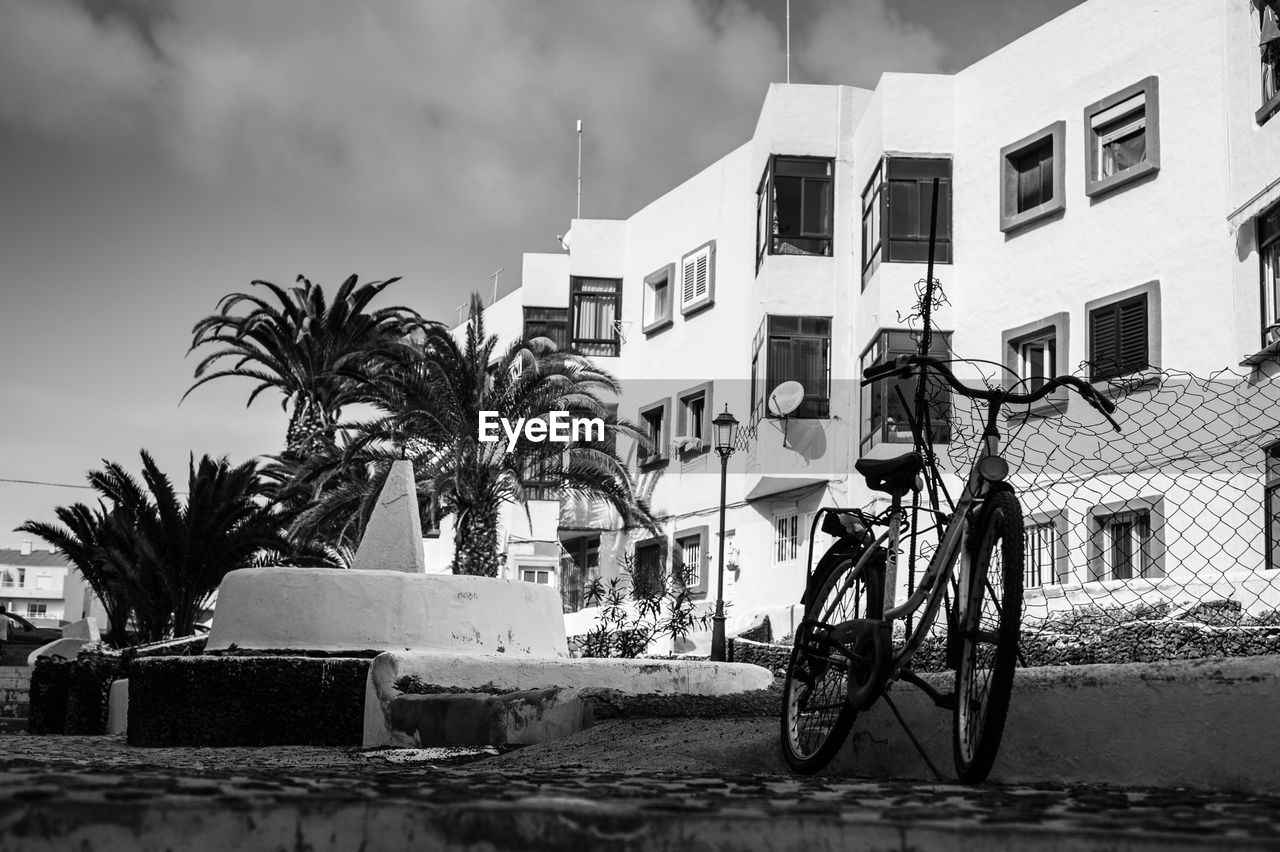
point(988, 637)
point(816, 711)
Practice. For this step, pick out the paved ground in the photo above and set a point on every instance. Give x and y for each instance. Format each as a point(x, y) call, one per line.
point(96, 793)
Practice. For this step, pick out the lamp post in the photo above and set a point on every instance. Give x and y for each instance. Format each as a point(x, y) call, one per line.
point(725, 425)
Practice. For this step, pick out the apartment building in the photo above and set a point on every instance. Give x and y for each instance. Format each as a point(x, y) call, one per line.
point(32, 584)
point(1108, 203)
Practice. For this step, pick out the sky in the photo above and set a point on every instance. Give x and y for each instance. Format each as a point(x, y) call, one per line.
point(156, 155)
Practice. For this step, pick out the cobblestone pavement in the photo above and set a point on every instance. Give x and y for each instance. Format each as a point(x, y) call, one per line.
point(96, 793)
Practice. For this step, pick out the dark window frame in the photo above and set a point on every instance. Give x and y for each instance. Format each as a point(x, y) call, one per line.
point(815, 406)
point(768, 238)
point(1269, 56)
point(888, 343)
point(1271, 506)
point(905, 198)
point(1267, 236)
point(543, 324)
point(594, 347)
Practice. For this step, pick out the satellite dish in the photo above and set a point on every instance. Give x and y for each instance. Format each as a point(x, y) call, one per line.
point(786, 398)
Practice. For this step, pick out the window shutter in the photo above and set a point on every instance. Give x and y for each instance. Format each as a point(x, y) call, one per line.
point(1133, 335)
point(688, 293)
point(1104, 342)
point(695, 279)
point(1118, 338)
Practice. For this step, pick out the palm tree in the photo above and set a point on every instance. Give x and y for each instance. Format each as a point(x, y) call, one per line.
point(148, 554)
point(309, 350)
point(431, 403)
point(81, 540)
point(221, 528)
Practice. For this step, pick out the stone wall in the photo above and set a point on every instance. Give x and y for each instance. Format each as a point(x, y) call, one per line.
point(15, 684)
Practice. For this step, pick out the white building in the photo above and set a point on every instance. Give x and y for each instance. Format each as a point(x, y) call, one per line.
point(1110, 193)
point(32, 584)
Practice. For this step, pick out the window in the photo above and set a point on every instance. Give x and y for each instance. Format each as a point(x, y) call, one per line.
point(1032, 177)
point(906, 208)
point(694, 417)
point(655, 423)
point(1122, 137)
point(647, 575)
point(36, 610)
point(551, 323)
point(541, 576)
point(1271, 505)
point(657, 299)
point(793, 207)
point(1127, 544)
point(883, 416)
point(786, 537)
point(579, 565)
point(795, 349)
point(1035, 352)
point(872, 221)
point(1268, 234)
point(44, 582)
point(757, 373)
point(1128, 540)
point(595, 305)
point(1269, 47)
point(1045, 556)
point(698, 278)
point(1118, 338)
point(691, 556)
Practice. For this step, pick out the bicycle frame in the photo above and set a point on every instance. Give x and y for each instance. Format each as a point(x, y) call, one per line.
point(933, 583)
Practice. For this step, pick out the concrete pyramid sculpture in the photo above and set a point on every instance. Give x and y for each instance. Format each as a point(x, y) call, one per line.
point(393, 539)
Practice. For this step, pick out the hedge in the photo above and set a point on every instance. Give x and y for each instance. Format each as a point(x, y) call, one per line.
point(89, 692)
point(247, 701)
point(47, 695)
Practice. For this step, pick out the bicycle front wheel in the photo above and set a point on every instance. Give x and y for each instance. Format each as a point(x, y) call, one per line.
point(988, 628)
point(816, 711)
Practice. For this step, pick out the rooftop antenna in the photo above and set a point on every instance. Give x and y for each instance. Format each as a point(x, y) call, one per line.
point(494, 276)
point(461, 308)
point(788, 45)
point(579, 216)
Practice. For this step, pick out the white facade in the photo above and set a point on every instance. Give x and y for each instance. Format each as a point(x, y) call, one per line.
point(1156, 158)
point(32, 584)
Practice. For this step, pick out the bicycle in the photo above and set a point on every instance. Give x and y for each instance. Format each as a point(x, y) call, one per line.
point(844, 660)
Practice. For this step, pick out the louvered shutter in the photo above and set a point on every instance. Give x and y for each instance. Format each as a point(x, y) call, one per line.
point(1118, 338)
point(695, 279)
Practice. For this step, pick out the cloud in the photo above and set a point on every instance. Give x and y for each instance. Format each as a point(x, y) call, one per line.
point(451, 104)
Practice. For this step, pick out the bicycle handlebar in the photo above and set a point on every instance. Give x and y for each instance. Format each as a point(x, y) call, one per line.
point(903, 365)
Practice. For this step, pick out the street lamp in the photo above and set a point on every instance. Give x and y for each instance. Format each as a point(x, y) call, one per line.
point(725, 425)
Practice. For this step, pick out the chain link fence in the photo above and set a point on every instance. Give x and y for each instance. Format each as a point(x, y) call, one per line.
point(1160, 542)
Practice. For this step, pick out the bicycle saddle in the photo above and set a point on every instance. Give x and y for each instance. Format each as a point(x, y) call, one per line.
point(895, 476)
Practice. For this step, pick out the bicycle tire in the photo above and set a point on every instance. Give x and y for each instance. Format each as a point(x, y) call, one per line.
point(988, 637)
point(811, 735)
